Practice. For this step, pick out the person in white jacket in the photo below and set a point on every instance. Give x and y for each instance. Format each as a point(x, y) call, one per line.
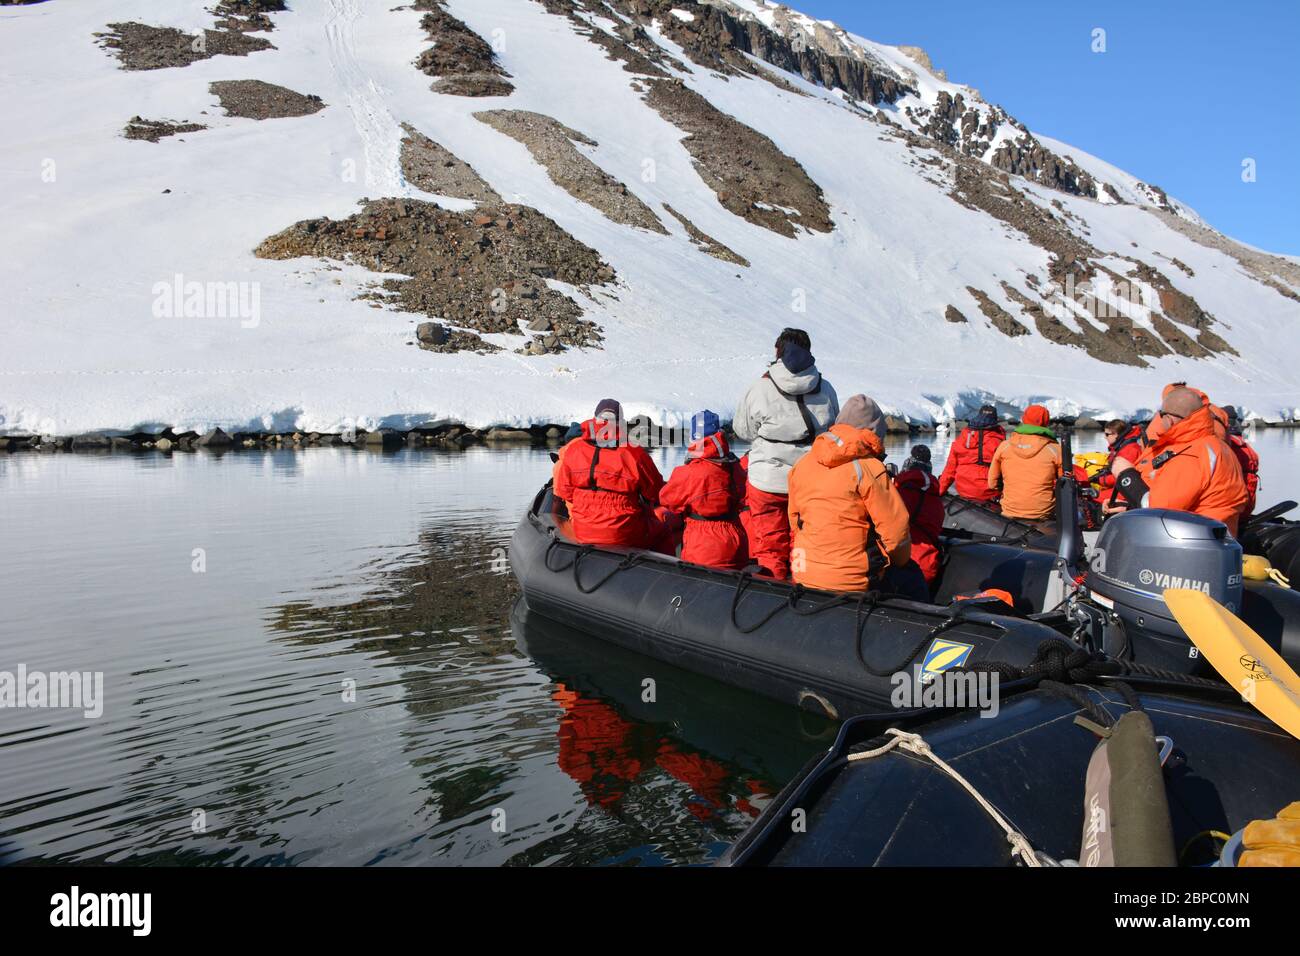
point(780, 416)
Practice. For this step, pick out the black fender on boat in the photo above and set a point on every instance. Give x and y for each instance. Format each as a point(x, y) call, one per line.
point(830, 654)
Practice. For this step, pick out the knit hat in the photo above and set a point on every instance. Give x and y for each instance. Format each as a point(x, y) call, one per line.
point(986, 417)
point(796, 358)
point(609, 408)
point(704, 423)
point(1037, 415)
point(859, 411)
point(918, 458)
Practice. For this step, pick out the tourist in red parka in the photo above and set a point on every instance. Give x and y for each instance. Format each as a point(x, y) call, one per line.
point(611, 486)
point(1247, 457)
point(708, 491)
point(1123, 440)
point(970, 456)
point(920, 493)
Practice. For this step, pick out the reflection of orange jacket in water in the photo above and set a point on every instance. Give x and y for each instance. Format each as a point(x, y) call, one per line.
point(605, 754)
point(597, 747)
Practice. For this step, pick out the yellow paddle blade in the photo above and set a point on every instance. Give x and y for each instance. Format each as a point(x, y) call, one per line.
point(1243, 658)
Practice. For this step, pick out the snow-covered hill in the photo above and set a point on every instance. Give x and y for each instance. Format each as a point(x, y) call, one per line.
point(630, 198)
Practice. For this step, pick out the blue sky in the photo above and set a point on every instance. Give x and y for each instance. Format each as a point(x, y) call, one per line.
point(1183, 94)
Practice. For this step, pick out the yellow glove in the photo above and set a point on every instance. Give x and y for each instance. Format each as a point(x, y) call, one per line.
point(1273, 842)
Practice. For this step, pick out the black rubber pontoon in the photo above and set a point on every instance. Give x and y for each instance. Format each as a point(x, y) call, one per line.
point(1225, 766)
point(830, 654)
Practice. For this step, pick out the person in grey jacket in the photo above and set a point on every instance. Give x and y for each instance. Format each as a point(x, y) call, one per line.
point(780, 416)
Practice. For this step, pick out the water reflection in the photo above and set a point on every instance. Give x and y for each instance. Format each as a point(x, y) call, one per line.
point(329, 569)
point(230, 734)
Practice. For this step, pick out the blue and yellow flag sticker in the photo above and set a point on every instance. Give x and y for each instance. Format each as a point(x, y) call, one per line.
point(943, 655)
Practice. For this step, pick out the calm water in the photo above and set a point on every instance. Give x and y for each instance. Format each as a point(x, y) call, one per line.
point(315, 658)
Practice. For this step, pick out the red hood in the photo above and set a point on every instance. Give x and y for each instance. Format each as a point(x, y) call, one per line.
point(594, 429)
point(710, 446)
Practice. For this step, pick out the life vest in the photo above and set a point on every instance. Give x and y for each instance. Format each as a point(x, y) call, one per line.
point(610, 487)
point(920, 493)
point(1248, 459)
point(968, 462)
point(708, 491)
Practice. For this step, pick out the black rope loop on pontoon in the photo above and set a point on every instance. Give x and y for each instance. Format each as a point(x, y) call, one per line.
point(556, 541)
point(630, 561)
point(742, 585)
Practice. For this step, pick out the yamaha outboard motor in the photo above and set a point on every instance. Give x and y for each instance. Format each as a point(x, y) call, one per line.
point(1141, 553)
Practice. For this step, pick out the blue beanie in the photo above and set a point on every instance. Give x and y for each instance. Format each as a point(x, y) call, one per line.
point(704, 423)
point(796, 358)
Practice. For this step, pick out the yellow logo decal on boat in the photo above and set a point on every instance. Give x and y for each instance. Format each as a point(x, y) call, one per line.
point(944, 654)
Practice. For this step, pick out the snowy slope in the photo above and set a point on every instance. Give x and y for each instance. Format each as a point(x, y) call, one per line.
point(83, 253)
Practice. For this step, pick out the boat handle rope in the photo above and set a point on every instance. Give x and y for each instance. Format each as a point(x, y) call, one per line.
point(870, 600)
point(555, 543)
point(791, 603)
point(628, 562)
point(580, 552)
point(915, 744)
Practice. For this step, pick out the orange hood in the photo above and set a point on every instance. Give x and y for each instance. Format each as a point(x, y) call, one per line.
point(1218, 417)
point(1027, 446)
point(1196, 425)
point(844, 443)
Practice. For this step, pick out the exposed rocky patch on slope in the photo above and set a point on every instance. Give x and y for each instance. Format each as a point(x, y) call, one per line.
point(435, 169)
point(1073, 267)
point(629, 44)
point(1119, 344)
point(705, 242)
point(141, 47)
point(750, 175)
point(552, 146)
point(1000, 317)
point(247, 16)
point(255, 99)
point(1182, 308)
point(954, 315)
point(1276, 272)
point(479, 271)
point(154, 130)
point(461, 61)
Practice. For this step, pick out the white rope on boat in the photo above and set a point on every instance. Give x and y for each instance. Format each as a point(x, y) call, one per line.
point(915, 743)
